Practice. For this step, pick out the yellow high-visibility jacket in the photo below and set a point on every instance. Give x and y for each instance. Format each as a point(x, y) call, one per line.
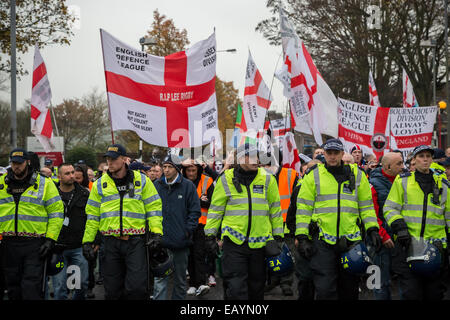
point(336, 210)
point(257, 207)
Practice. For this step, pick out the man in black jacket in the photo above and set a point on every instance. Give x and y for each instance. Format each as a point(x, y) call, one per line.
point(74, 198)
point(181, 211)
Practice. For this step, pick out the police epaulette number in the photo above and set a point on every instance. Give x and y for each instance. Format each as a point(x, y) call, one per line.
point(405, 174)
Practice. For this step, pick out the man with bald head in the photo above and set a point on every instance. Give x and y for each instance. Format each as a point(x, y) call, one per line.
point(347, 158)
point(381, 180)
point(46, 172)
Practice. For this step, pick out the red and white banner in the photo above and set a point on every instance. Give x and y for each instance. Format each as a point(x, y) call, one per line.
point(364, 125)
point(377, 130)
point(313, 104)
point(412, 127)
point(168, 101)
point(257, 100)
point(41, 95)
point(278, 128)
point(409, 98)
point(291, 157)
point(373, 94)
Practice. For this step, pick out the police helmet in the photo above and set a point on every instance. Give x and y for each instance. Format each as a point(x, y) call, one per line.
point(161, 263)
point(55, 263)
point(281, 264)
point(356, 259)
point(424, 258)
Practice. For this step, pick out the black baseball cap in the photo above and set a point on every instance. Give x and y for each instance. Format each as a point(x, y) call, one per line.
point(138, 166)
point(48, 162)
point(333, 144)
point(422, 148)
point(438, 153)
point(446, 162)
point(115, 150)
point(18, 155)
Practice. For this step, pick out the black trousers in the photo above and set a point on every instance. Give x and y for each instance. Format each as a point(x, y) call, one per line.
point(23, 268)
point(125, 269)
point(92, 264)
point(305, 277)
point(2, 276)
point(331, 281)
point(244, 271)
point(413, 286)
point(197, 258)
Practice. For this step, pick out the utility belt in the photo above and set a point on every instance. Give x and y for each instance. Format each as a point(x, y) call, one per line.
point(342, 244)
point(128, 237)
point(21, 239)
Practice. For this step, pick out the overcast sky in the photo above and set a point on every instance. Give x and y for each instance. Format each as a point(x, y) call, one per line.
point(74, 70)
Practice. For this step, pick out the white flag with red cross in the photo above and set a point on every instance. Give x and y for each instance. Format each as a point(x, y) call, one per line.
point(41, 122)
point(409, 98)
point(168, 101)
point(373, 94)
point(313, 104)
point(257, 100)
point(291, 158)
point(278, 128)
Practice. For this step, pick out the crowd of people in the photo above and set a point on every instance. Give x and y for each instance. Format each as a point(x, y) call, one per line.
point(147, 223)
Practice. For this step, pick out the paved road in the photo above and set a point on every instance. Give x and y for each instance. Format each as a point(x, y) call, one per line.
point(216, 293)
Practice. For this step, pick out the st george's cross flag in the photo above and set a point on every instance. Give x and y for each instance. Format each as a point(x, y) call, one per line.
point(168, 101)
point(409, 98)
point(278, 128)
point(291, 158)
point(373, 94)
point(257, 100)
point(313, 104)
point(41, 122)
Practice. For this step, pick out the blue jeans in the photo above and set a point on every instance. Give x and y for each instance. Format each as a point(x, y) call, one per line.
point(180, 261)
point(71, 257)
point(383, 260)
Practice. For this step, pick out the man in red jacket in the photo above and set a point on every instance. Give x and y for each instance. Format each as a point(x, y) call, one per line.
point(381, 180)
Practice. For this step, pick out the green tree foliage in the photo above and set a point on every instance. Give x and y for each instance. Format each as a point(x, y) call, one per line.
point(41, 22)
point(82, 152)
point(345, 48)
point(23, 127)
point(84, 121)
point(169, 38)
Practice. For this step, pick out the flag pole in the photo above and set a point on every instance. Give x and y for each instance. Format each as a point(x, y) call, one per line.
point(54, 118)
point(271, 85)
point(270, 90)
point(107, 96)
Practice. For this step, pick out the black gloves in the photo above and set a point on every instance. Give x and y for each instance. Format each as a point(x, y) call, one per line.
point(154, 243)
point(305, 246)
point(374, 238)
point(88, 251)
point(400, 228)
point(46, 248)
point(278, 239)
point(211, 246)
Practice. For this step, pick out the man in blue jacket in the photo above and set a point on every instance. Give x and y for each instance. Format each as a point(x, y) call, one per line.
point(181, 211)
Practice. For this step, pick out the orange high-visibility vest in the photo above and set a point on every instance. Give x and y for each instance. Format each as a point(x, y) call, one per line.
point(203, 185)
point(286, 180)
